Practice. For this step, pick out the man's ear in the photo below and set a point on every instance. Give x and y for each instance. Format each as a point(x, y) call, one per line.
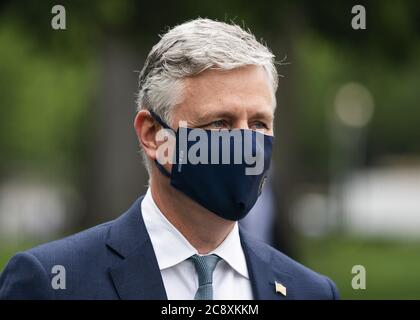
point(146, 129)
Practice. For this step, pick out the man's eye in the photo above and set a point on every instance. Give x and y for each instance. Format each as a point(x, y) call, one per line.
point(219, 124)
point(259, 126)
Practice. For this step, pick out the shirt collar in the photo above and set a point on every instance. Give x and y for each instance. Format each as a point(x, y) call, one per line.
point(171, 247)
point(230, 250)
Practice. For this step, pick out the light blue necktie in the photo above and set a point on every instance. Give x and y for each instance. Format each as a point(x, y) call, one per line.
point(205, 265)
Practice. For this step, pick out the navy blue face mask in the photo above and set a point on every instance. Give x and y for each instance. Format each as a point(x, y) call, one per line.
point(230, 189)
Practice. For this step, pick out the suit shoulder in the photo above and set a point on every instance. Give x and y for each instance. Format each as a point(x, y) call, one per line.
point(309, 283)
point(29, 274)
point(24, 278)
point(87, 242)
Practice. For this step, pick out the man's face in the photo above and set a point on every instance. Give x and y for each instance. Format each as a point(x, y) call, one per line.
point(233, 99)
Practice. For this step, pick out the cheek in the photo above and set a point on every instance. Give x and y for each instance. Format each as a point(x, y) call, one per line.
point(270, 131)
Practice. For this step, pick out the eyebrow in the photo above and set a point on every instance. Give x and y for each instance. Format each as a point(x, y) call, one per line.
point(263, 115)
point(209, 116)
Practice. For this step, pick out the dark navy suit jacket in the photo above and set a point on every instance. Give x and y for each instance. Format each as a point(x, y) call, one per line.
point(116, 260)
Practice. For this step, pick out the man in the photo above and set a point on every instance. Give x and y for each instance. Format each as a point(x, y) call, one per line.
point(182, 240)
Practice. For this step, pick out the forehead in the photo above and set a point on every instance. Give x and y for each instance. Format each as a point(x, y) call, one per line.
point(246, 90)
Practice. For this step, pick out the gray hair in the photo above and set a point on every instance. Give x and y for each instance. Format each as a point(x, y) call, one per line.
point(191, 48)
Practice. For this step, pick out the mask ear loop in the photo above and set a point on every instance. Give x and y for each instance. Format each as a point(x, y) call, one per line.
point(159, 120)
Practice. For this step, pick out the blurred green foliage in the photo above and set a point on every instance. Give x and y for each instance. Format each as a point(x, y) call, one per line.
point(391, 266)
point(323, 67)
point(44, 104)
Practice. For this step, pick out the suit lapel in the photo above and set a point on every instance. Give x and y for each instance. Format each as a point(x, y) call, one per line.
point(137, 274)
point(262, 273)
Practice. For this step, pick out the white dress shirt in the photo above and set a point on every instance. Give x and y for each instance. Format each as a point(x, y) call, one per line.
point(230, 277)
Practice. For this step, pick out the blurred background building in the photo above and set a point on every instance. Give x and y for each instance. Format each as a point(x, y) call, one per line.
point(346, 186)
